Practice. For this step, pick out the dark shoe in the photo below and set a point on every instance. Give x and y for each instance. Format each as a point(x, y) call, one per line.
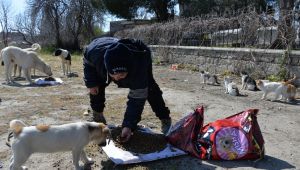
point(165, 125)
point(97, 117)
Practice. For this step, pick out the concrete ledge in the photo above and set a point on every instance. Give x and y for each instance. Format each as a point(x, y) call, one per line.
point(271, 51)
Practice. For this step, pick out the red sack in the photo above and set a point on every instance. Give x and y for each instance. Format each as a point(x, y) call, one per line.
point(183, 134)
point(232, 138)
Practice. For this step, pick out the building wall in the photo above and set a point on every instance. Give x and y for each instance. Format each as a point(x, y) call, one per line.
point(124, 24)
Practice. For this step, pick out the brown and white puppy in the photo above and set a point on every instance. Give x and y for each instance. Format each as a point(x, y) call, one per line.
point(65, 57)
point(47, 139)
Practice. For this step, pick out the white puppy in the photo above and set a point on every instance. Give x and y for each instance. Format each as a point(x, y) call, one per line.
point(47, 139)
point(26, 59)
point(65, 57)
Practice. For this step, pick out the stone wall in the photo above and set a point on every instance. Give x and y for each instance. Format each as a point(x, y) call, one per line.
point(260, 62)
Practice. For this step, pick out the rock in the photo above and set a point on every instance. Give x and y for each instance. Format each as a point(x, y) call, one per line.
point(86, 113)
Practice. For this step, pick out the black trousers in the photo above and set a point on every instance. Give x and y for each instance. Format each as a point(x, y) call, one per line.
point(154, 98)
point(97, 102)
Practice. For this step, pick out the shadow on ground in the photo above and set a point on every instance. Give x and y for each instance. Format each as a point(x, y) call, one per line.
point(16, 83)
point(189, 162)
point(292, 102)
point(268, 162)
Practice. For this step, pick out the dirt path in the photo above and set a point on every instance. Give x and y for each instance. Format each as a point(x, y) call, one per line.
point(279, 122)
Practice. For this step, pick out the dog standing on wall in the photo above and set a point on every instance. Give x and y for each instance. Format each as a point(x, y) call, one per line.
point(48, 139)
point(26, 59)
point(65, 60)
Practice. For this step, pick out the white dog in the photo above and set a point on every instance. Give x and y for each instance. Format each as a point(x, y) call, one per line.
point(34, 47)
point(48, 139)
point(26, 59)
point(65, 60)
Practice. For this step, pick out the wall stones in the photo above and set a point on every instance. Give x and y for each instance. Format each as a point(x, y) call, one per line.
point(218, 60)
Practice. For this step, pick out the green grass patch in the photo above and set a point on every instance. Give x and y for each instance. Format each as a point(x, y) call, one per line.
point(227, 73)
point(274, 78)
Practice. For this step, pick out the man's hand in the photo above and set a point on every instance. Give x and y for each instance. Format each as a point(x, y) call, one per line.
point(94, 90)
point(126, 134)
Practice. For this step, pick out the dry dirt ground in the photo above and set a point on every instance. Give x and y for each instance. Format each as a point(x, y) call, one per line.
point(279, 122)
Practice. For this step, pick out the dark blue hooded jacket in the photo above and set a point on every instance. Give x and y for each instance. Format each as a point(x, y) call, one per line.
point(111, 55)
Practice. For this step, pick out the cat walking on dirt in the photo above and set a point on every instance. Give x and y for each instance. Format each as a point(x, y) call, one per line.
point(286, 90)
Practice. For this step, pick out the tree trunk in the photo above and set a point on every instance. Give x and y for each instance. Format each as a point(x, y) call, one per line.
point(286, 35)
point(57, 31)
point(161, 10)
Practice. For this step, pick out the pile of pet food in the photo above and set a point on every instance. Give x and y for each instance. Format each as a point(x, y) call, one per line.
point(49, 78)
point(140, 142)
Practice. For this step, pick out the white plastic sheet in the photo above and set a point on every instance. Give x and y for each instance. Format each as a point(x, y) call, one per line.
point(120, 156)
point(41, 81)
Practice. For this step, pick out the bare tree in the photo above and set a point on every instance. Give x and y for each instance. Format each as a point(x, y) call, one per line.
point(74, 20)
point(93, 17)
point(26, 28)
point(286, 35)
point(80, 20)
point(4, 18)
point(65, 23)
point(50, 11)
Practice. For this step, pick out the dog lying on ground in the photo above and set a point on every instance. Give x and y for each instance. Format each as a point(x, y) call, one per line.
point(48, 139)
point(26, 59)
point(65, 60)
point(209, 78)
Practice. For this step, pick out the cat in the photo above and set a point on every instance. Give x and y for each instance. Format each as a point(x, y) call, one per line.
point(248, 83)
point(286, 90)
point(292, 81)
point(209, 78)
point(291, 88)
point(231, 87)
